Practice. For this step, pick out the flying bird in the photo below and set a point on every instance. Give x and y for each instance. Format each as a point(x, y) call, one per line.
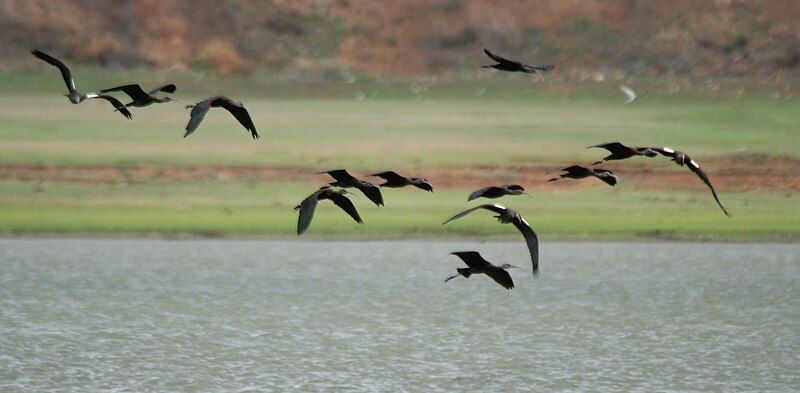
point(497, 192)
point(237, 109)
point(682, 159)
point(515, 66)
point(579, 172)
point(309, 205)
point(506, 216)
point(393, 180)
point(74, 95)
point(621, 152)
point(628, 93)
point(478, 265)
point(142, 98)
point(346, 180)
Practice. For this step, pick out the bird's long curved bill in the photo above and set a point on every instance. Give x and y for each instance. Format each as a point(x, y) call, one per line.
point(529, 195)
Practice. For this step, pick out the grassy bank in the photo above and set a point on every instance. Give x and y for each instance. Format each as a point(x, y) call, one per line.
point(475, 130)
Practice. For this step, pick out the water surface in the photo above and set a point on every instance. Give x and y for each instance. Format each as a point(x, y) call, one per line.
point(209, 315)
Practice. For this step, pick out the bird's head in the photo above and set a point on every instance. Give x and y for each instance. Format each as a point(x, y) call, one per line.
point(506, 266)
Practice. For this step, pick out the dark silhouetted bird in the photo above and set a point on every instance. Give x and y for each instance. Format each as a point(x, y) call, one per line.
point(497, 192)
point(308, 205)
point(478, 265)
point(621, 152)
point(515, 66)
point(346, 180)
point(393, 180)
point(506, 216)
point(142, 98)
point(74, 95)
point(579, 172)
point(682, 159)
point(237, 109)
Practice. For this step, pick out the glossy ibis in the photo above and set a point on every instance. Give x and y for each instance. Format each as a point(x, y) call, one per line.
point(393, 180)
point(497, 192)
point(237, 109)
point(682, 159)
point(579, 172)
point(478, 265)
point(346, 180)
point(621, 152)
point(141, 98)
point(515, 66)
point(309, 205)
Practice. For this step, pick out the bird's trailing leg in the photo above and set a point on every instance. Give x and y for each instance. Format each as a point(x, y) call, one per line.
point(452, 277)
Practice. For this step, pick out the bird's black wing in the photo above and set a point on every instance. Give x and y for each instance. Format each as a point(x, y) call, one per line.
point(532, 241)
point(372, 192)
point(492, 207)
point(239, 112)
point(341, 176)
point(198, 113)
point(170, 88)
point(613, 147)
point(473, 259)
point(63, 68)
point(391, 177)
point(345, 204)
point(501, 277)
point(307, 208)
point(500, 59)
point(700, 173)
point(134, 91)
point(118, 105)
point(479, 193)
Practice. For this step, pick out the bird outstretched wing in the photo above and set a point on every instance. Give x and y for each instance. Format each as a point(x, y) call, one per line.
point(341, 175)
point(307, 208)
point(371, 191)
point(347, 205)
point(479, 193)
point(613, 147)
point(391, 177)
point(238, 111)
point(63, 68)
point(170, 88)
point(501, 277)
point(196, 117)
point(492, 207)
point(134, 91)
point(118, 105)
point(628, 93)
point(500, 59)
point(694, 167)
point(532, 241)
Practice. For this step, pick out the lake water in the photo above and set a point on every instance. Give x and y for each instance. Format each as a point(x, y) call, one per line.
point(375, 316)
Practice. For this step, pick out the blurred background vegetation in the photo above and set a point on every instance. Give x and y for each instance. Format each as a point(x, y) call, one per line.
point(313, 39)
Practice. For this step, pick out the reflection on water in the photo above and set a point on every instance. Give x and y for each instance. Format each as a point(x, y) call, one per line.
point(142, 315)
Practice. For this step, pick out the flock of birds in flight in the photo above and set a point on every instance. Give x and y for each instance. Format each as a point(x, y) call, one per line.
point(336, 191)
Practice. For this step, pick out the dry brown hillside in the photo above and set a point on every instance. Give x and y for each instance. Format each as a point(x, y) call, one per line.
point(634, 37)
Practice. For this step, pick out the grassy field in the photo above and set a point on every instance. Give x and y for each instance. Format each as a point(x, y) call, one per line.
point(489, 129)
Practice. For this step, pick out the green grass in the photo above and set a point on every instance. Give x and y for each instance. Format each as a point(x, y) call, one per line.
point(371, 125)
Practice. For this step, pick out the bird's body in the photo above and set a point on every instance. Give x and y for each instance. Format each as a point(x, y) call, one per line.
point(346, 180)
point(579, 172)
point(511, 216)
point(140, 97)
point(498, 191)
point(621, 152)
point(393, 180)
point(237, 109)
point(478, 265)
point(628, 93)
point(682, 159)
point(515, 66)
point(73, 94)
point(309, 205)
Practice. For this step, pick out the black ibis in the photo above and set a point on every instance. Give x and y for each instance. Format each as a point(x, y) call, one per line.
point(478, 265)
point(142, 98)
point(393, 180)
point(579, 172)
point(346, 180)
point(515, 66)
point(497, 192)
point(308, 205)
point(682, 159)
point(237, 109)
point(506, 216)
point(74, 95)
point(621, 152)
